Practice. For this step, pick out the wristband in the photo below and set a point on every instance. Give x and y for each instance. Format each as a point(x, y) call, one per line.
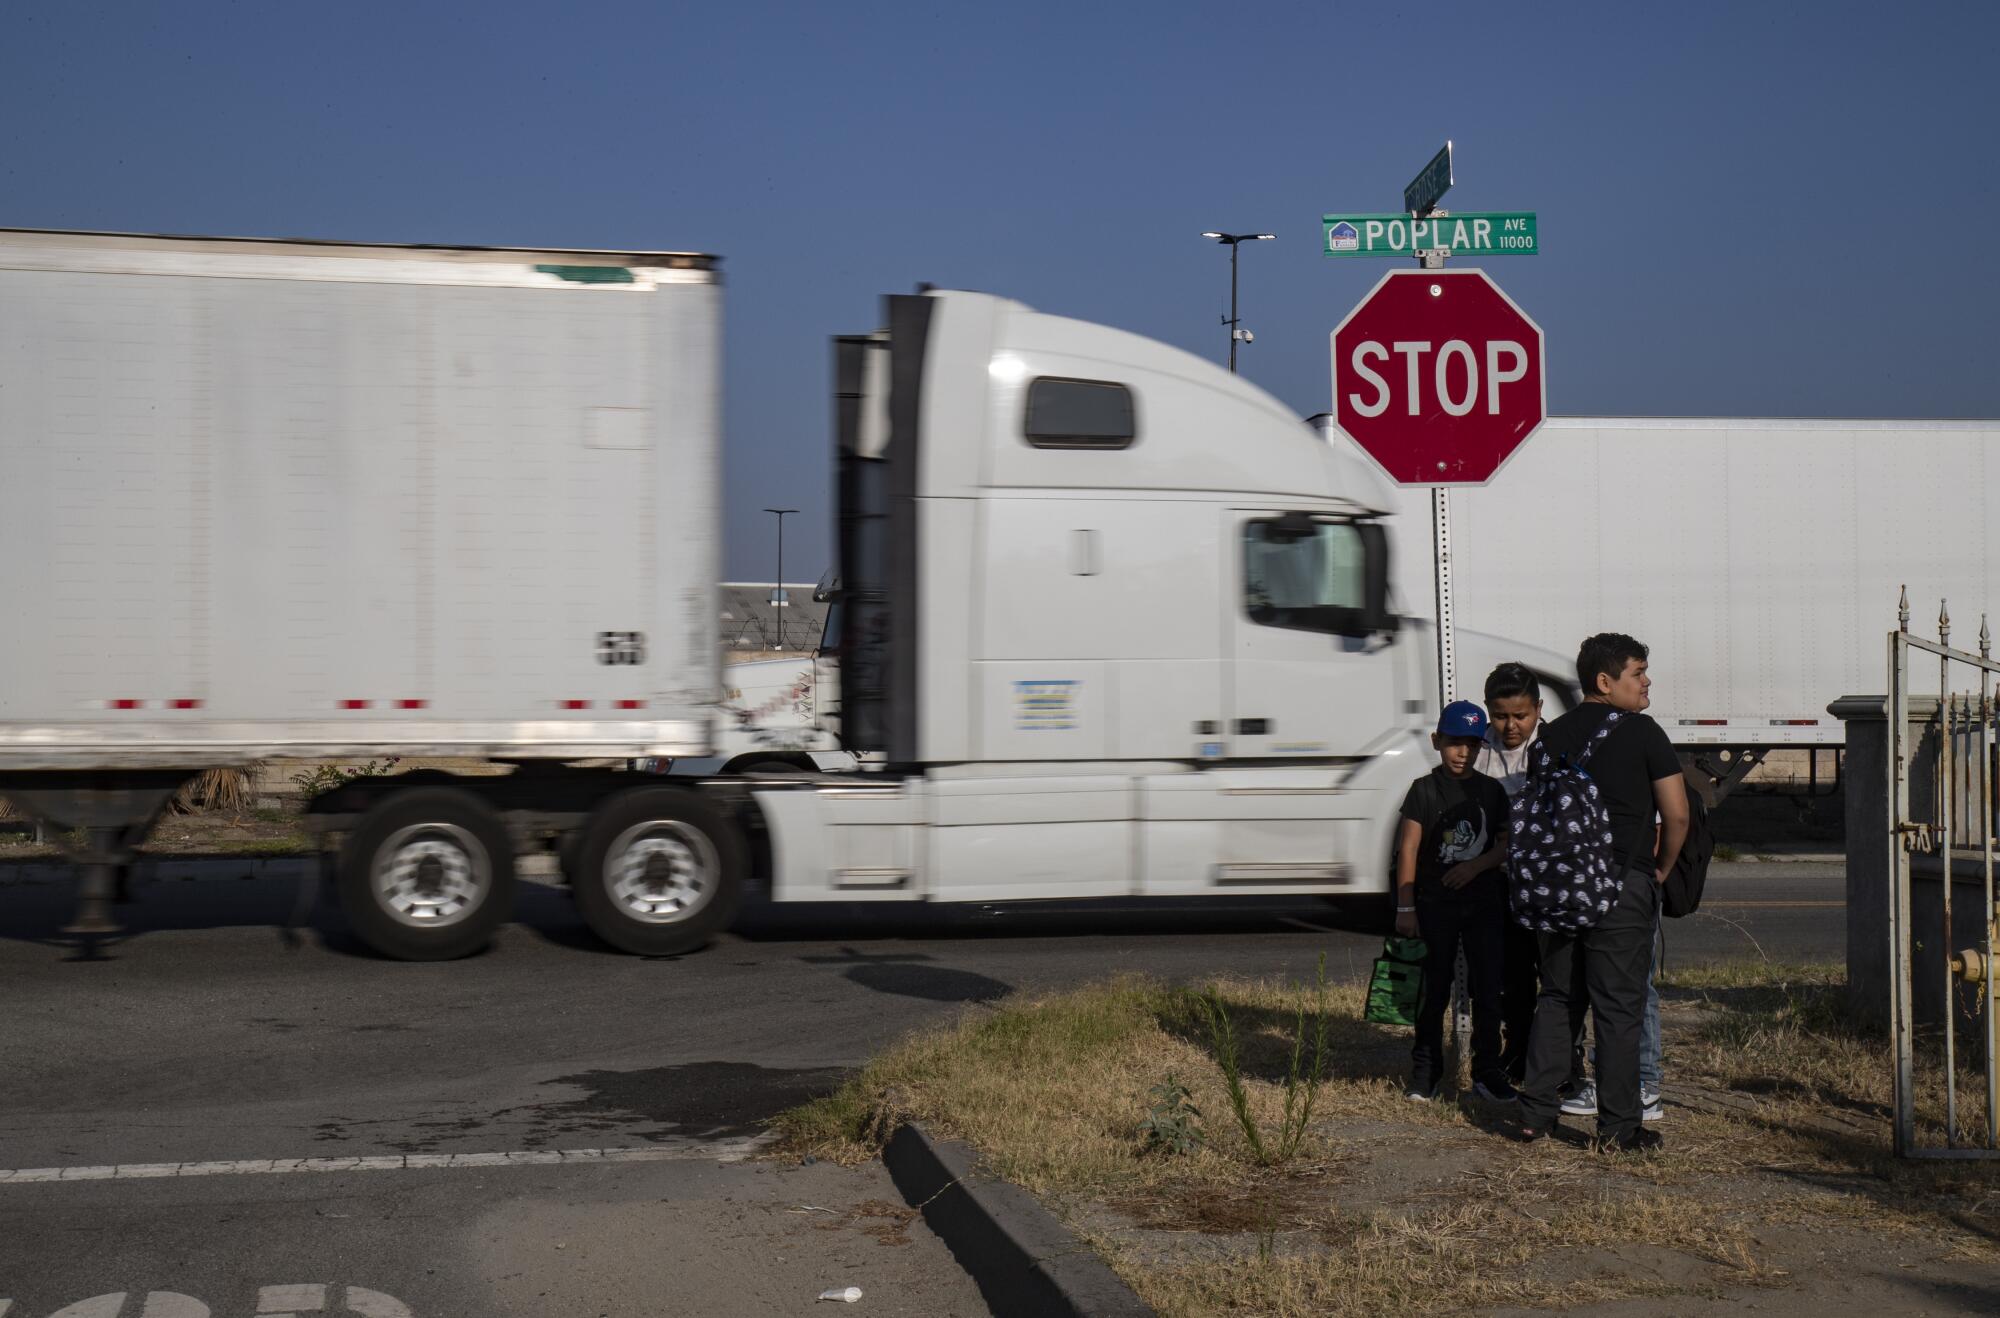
point(1406, 910)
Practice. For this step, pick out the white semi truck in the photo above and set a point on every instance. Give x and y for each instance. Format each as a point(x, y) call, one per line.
point(1115, 622)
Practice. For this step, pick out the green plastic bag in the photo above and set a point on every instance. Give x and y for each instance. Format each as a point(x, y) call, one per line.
point(1397, 983)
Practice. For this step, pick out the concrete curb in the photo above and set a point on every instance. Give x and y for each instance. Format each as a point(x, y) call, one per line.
point(1024, 1261)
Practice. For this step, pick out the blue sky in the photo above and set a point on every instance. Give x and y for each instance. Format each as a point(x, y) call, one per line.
point(1746, 209)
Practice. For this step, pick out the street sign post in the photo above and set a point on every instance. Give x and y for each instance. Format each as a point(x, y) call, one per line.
point(1482, 233)
point(1431, 183)
point(1437, 375)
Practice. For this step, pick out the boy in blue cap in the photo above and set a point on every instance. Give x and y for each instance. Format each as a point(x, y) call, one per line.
point(1449, 846)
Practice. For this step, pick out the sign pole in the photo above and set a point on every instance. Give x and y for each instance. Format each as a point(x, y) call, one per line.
point(1447, 657)
point(1421, 199)
point(1447, 671)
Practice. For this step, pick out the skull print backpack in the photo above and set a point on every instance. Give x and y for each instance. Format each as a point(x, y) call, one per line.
point(1559, 842)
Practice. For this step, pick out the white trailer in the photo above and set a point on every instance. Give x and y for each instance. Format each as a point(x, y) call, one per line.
point(1115, 623)
point(276, 499)
point(1758, 558)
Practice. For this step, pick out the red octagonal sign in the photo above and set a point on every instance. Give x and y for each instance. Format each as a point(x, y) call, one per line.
point(1438, 376)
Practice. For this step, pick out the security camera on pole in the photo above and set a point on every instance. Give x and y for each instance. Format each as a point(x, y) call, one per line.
point(1237, 334)
point(1437, 376)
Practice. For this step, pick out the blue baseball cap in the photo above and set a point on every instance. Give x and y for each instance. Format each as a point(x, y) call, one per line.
point(1462, 718)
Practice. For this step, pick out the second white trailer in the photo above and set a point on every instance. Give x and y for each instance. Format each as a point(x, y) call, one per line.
point(1760, 559)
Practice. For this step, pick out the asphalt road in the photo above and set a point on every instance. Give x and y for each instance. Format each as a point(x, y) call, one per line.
point(213, 1034)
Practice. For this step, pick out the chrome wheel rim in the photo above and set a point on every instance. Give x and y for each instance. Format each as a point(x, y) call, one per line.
point(661, 872)
point(429, 876)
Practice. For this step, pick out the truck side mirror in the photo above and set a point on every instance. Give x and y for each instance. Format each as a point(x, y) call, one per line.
point(1377, 616)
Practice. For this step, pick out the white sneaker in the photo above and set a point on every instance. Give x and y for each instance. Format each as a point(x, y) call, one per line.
point(1583, 1103)
point(1651, 1109)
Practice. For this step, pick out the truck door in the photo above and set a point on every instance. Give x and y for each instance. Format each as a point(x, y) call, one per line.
point(1307, 636)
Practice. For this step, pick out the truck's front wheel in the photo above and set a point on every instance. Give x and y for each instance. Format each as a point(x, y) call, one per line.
point(659, 873)
point(427, 875)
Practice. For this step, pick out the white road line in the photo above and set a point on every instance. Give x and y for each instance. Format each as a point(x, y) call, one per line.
point(287, 1300)
point(729, 1150)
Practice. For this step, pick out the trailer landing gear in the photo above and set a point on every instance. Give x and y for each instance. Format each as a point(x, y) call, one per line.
point(99, 822)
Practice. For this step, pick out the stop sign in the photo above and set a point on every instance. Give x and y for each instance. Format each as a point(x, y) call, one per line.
point(1438, 376)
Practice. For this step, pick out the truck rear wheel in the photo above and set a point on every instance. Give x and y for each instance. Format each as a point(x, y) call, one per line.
point(660, 872)
point(427, 875)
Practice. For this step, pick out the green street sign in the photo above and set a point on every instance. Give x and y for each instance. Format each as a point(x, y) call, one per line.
point(1431, 183)
point(1484, 233)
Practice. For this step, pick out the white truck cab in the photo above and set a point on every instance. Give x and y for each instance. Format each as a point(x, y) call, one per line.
point(1115, 621)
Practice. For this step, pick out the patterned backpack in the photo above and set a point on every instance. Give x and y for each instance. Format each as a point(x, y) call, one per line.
point(1559, 843)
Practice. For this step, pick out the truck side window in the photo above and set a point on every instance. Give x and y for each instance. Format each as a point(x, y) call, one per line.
point(1306, 575)
point(1079, 414)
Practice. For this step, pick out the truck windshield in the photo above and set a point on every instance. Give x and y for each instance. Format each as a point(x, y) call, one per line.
point(1312, 577)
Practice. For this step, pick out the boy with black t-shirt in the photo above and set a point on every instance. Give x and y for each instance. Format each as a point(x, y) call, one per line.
point(1448, 892)
point(1637, 775)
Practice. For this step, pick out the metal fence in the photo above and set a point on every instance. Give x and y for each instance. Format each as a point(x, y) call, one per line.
point(1942, 823)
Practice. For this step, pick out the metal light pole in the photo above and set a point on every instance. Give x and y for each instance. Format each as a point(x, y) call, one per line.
point(1232, 239)
point(778, 596)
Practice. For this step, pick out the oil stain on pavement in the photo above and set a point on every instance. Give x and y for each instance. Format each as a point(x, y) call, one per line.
point(695, 1099)
point(691, 1101)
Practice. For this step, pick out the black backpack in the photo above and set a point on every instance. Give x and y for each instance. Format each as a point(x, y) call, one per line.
point(1559, 842)
point(1682, 890)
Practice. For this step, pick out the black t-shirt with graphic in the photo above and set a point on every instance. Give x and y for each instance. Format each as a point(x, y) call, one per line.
point(1631, 758)
point(1461, 819)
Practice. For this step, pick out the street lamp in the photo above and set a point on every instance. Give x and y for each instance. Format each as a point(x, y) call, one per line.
point(1235, 334)
point(778, 595)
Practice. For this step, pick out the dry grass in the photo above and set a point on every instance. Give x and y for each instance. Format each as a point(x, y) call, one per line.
point(1449, 1258)
point(1780, 1119)
point(225, 790)
point(1051, 1091)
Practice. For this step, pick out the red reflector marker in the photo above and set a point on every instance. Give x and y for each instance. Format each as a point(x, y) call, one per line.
point(413, 704)
point(354, 704)
point(576, 704)
point(1794, 722)
point(631, 704)
point(126, 704)
point(183, 704)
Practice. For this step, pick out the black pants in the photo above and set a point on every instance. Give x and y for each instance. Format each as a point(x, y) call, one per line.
point(1616, 956)
point(1445, 920)
point(1521, 984)
point(1520, 990)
